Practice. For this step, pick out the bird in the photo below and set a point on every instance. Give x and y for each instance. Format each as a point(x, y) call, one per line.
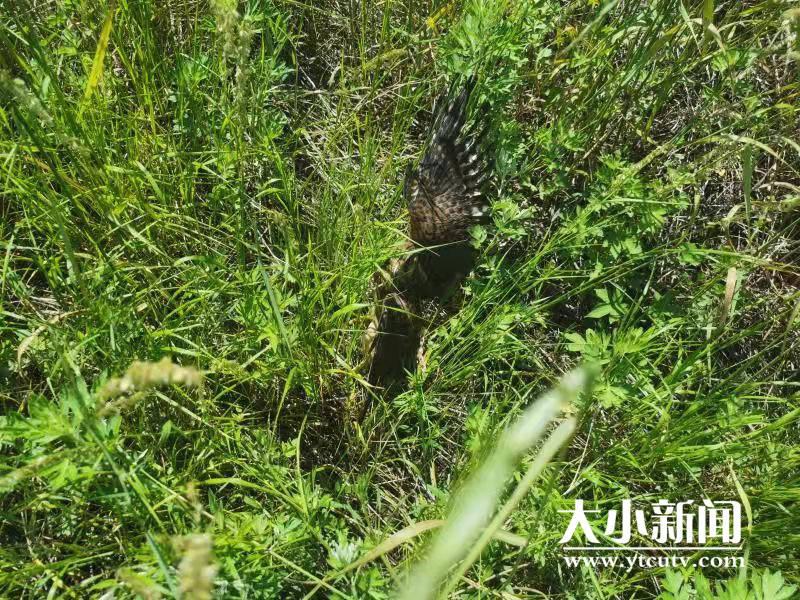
point(446, 195)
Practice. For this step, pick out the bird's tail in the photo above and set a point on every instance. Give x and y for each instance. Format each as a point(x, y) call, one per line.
point(393, 340)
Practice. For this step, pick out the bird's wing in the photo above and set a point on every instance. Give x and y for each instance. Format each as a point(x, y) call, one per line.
point(445, 194)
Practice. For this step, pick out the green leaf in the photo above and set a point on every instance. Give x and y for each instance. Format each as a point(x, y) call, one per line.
point(771, 586)
point(601, 311)
point(100, 52)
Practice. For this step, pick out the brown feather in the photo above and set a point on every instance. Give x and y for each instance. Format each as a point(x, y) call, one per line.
point(445, 198)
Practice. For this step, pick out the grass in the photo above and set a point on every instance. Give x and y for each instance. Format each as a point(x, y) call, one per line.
point(218, 184)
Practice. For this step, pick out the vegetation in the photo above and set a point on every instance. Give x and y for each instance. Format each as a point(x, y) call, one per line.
point(215, 184)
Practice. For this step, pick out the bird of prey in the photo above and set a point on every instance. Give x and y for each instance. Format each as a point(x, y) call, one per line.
point(445, 195)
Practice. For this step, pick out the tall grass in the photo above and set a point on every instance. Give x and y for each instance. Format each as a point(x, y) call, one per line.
point(217, 183)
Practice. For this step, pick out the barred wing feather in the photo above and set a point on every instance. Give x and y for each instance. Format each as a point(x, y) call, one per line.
point(445, 194)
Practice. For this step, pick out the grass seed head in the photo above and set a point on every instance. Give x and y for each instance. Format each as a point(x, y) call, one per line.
point(142, 376)
point(197, 568)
